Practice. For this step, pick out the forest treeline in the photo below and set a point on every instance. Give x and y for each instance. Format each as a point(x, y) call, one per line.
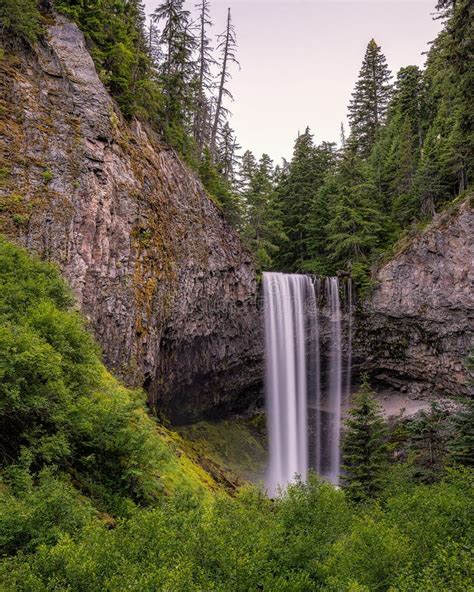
point(409, 149)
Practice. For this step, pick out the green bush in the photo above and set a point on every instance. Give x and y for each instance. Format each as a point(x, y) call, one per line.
point(59, 404)
point(21, 19)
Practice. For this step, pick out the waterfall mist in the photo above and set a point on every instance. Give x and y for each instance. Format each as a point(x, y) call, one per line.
point(304, 415)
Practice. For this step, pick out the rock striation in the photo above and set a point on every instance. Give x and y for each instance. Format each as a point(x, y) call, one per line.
point(163, 280)
point(416, 330)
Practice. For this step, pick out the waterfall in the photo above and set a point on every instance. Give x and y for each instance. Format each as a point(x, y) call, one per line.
point(334, 394)
point(286, 380)
point(347, 393)
point(304, 416)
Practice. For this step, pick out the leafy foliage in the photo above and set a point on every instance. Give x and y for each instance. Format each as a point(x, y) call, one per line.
point(311, 538)
point(59, 408)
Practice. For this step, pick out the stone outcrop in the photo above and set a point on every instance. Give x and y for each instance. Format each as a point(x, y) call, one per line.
point(416, 330)
point(167, 288)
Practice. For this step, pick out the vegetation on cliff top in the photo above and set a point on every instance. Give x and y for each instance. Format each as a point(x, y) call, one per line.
point(410, 149)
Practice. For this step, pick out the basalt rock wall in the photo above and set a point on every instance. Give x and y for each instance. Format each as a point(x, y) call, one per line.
point(416, 330)
point(167, 288)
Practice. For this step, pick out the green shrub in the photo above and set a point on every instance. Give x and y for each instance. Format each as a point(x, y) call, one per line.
point(21, 19)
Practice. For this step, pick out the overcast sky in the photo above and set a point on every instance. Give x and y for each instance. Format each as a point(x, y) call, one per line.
point(300, 60)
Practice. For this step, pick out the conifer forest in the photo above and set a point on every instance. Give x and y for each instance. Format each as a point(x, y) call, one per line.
point(221, 370)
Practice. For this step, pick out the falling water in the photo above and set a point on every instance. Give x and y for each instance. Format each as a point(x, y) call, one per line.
point(293, 386)
point(286, 380)
point(334, 394)
point(347, 392)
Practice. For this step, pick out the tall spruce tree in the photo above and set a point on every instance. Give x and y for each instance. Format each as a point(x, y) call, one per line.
point(427, 444)
point(178, 69)
point(356, 227)
point(227, 45)
point(262, 229)
point(364, 449)
point(204, 77)
point(461, 447)
point(297, 192)
point(370, 99)
point(396, 155)
point(227, 158)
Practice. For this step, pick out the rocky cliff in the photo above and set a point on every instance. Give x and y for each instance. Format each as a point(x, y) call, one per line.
point(163, 280)
point(416, 330)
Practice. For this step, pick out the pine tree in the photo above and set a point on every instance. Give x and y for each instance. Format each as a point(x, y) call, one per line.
point(221, 190)
point(462, 444)
point(296, 193)
point(357, 228)
point(21, 19)
point(227, 159)
point(396, 155)
point(262, 228)
point(427, 445)
point(370, 99)
point(227, 45)
point(364, 448)
point(319, 218)
point(204, 77)
point(178, 68)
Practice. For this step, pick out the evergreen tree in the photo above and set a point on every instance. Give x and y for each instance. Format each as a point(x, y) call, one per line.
point(396, 156)
point(462, 444)
point(204, 77)
point(370, 99)
point(297, 192)
point(364, 448)
point(262, 228)
point(427, 446)
point(116, 36)
point(356, 227)
point(20, 19)
point(178, 68)
point(227, 158)
point(220, 189)
point(227, 45)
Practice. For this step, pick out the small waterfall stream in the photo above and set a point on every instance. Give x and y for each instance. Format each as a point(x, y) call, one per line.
point(304, 415)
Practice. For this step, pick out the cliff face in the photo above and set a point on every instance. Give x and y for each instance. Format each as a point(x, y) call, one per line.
point(164, 281)
point(416, 331)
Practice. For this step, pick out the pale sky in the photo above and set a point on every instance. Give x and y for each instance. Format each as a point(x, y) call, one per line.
point(300, 60)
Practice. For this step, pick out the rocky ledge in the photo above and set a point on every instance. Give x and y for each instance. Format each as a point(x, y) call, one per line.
point(416, 331)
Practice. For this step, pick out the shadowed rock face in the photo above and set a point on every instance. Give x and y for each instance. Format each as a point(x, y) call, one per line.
point(416, 331)
point(163, 280)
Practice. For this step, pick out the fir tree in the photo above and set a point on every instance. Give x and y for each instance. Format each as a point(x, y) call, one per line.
point(297, 193)
point(227, 159)
point(227, 45)
point(370, 99)
point(262, 228)
point(427, 444)
point(364, 448)
point(204, 76)
point(178, 68)
point(20, 18)
point(395, 157)
point(356, 227)
point(462, 444)
point(221, 190)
